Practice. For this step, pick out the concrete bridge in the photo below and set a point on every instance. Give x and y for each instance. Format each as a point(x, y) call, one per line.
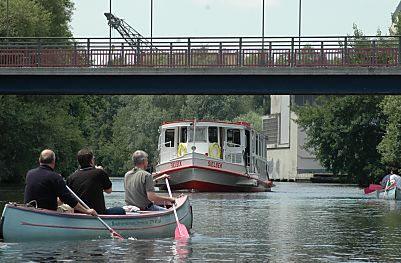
point(318, 65)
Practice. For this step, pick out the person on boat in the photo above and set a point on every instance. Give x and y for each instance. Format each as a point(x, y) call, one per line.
point(44, 186)
point(386, 178)
point(394, 180)
point(139, 186)
point(90, 181)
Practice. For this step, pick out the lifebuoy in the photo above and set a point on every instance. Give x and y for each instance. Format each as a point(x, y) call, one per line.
point(214, 151)
point(182, 149)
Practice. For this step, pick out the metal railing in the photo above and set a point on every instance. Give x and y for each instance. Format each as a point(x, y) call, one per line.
point(203, 52)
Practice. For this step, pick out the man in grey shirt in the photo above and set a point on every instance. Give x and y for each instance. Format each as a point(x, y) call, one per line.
point(139, 186)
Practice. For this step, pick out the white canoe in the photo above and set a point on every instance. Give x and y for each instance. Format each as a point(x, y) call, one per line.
point(20, 224)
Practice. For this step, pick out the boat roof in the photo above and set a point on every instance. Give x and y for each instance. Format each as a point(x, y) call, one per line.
point(206, 123)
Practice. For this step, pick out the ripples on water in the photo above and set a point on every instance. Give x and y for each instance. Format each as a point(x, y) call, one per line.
point(295, 223)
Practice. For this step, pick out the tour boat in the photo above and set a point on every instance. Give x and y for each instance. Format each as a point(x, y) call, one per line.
point(20, 223)
point(390, 194)
point(224, 157)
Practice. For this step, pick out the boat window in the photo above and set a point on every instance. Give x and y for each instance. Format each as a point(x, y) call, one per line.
point(213, 135)
point(233, 138)
point(183, 134)
point(200, 134)
point(169, 138)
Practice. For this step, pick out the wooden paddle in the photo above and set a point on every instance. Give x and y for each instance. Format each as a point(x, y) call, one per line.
point(372, 188)
point(113, 233)
point(181, 231)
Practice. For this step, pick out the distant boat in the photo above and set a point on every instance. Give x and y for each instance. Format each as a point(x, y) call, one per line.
point(391, 194)
point(20, 224)
point(224, 157)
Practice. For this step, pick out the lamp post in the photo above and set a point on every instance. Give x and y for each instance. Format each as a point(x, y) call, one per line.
point(299, 23)
point(263, 33)
point(151, 23)
point(110, 62)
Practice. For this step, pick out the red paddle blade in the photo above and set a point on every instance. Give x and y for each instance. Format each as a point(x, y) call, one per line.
point(181, 232)
point(115, 234)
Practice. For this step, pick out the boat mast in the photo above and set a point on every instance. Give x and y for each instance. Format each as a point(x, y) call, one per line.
point(193, 148)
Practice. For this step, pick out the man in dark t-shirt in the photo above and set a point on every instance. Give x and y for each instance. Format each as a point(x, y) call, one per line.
point(44, 185)
point(89, 183)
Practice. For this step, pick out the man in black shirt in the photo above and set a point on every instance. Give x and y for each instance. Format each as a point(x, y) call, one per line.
point(90, 181)
point(43, 185)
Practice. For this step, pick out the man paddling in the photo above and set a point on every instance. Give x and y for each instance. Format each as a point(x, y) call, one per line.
point(44, 185)
point(139, 186)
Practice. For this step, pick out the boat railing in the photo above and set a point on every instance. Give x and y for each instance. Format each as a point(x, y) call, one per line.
point(233, 152)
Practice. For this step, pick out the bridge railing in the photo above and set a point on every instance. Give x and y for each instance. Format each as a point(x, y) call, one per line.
point(202, 52)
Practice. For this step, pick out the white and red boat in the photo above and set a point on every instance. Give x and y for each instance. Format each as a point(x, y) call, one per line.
point(224, 157)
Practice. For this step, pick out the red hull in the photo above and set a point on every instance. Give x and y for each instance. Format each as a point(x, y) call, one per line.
point(210, 187)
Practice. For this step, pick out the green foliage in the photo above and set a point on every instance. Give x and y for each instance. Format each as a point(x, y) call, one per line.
point(41, 18)
point(60, 16)
point(390, 147)
point(112, 126)
point(343, 132)
point(29, 124)
point(23, 23)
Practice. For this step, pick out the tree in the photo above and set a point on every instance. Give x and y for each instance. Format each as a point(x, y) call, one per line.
point(344, 132)
point(390, 146)
point(60, 16)
point(35, 23)
point(29, 124)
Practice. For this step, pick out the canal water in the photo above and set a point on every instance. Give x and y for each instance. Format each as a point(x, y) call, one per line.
point(297, 222)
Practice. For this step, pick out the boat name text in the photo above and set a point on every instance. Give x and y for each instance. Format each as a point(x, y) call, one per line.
point(214, 164)
point(175, 164)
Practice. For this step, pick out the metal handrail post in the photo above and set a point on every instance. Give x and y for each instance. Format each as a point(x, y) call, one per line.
point(399, 51)
point(374, 53)
point(220, 60)
point(88, 56)
point(269, 61)
point(123, 61)
point(170, 57)
point(292, 62)
point(322, 53)
point(346, 51)
point(39, 53)
point(138, 51)
point(189, 53)
point(240, 55)
point(74, 62)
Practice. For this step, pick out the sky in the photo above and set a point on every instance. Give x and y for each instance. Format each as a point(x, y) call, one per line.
point(199, 18)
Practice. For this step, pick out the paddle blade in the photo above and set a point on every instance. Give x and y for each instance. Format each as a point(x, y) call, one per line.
point(181, 232)
point(372, 188)
point(115, 234)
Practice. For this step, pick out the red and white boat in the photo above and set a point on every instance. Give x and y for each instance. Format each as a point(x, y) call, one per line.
point(224, 157)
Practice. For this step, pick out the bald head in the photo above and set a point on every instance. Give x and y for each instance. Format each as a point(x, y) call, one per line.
point(47, 157)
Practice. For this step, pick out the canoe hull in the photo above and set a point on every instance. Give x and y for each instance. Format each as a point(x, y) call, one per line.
point(392, 194)
point(23, 224)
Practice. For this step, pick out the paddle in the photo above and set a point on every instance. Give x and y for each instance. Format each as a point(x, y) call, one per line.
point(113, 233)
point(180, 231)
point(372, 188)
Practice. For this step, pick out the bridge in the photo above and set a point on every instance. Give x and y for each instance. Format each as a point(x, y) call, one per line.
point(195, 65)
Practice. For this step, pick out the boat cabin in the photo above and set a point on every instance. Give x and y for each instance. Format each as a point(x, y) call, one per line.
point(233, 142)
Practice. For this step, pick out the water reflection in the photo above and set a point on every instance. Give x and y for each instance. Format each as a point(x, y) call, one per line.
point(296, 223)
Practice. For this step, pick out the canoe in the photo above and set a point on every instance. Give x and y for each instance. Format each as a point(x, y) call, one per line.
point(22, 224)
point(391, 194)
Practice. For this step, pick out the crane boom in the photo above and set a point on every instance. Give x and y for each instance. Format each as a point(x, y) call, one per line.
point(131, 36)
